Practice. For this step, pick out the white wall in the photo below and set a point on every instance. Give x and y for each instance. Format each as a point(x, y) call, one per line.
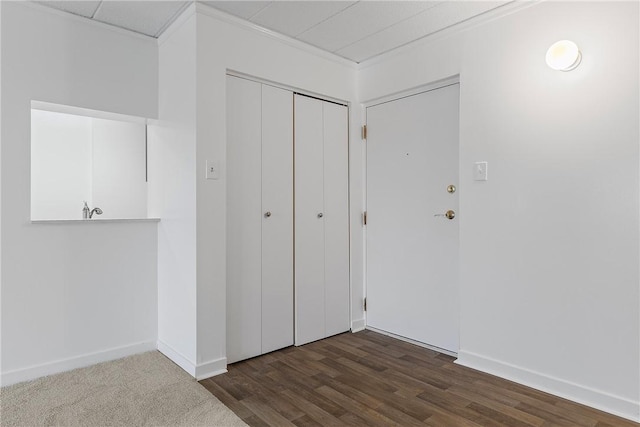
point(78, 158)
point(256, 54)
point(172, 195)
point(0, 189)
point(72, 294)
point(190, 130)
point(549, 246)
point(119, 187)
point(61, 165)
point(550, 279)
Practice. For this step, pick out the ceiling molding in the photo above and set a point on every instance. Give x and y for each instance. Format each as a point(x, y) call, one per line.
point(178, 22)
point(452, 30)
point(247, 25)
point(206, 10)
point(88, 21)
point(173, 19)
point(472, 22)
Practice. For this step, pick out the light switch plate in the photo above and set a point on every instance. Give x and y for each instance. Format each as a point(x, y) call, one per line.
point(212, 170)
point(480, 171)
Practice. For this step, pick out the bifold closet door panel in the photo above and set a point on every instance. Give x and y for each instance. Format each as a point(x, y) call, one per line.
point(309, 220)
point(277, 218)
point(336, 217)
point(244, 222)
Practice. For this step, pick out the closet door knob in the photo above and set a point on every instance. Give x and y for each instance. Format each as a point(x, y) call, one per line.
point(267, 214)
point(320, 215)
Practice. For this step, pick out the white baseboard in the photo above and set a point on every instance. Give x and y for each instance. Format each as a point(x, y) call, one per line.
point(414, 342)
point(603, 401)
point(84, 360)
point(211, 368)
point(177, 358)
point(201, 371)
point(358, 325)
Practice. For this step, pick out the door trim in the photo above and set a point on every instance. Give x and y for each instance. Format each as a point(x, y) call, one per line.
point(438, 84)
point(293, 89)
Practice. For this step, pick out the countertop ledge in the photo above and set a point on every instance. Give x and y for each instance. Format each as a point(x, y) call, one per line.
point(89, 221)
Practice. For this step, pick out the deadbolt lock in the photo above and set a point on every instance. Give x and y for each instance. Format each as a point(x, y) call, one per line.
point(450, 214)
point(451, 189)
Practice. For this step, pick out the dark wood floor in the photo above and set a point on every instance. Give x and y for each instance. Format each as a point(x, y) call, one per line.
point(368, 379)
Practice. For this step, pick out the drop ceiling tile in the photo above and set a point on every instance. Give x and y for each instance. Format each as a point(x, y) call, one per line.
point(294, 17)
point(146, 17)
point(454, 12)
point(359, 21)
point(82, 8)
point(241, 9)
point(427, 22)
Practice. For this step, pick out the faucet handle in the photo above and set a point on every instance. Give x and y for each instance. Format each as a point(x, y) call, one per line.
point(95, 211)
point(85, 210)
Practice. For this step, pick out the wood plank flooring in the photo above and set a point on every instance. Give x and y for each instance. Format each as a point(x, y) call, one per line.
point(369, 379)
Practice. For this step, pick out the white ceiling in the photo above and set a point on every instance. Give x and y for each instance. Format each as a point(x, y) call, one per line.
point(355, 30)
point(150, 18)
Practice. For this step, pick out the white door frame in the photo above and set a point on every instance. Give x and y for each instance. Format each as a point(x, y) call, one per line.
point(438, 84)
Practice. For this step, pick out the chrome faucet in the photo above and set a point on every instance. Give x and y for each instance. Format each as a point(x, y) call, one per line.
point(88, 213)
point(97, 211)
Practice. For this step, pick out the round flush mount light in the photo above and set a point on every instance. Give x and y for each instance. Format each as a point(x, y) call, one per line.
point(563, 55)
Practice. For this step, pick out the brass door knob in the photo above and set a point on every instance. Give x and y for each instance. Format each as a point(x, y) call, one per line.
point(450, 214)
point(451, 189)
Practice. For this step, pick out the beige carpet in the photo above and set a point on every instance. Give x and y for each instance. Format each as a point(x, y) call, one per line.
point(143, 390)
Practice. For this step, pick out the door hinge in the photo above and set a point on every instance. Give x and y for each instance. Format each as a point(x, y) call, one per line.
point(365, 304)
point(364, 218)
point(364, 132)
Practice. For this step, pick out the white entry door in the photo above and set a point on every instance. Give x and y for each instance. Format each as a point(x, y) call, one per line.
point(412, 246)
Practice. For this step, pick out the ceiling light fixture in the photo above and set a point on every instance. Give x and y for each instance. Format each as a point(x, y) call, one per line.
point(563, 55)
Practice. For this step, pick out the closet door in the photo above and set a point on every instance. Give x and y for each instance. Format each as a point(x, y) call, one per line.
point(336, 217)
point(277, 218)
point(244, 219)
point(259, 219)
point(321, 219)
point(309, 220)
